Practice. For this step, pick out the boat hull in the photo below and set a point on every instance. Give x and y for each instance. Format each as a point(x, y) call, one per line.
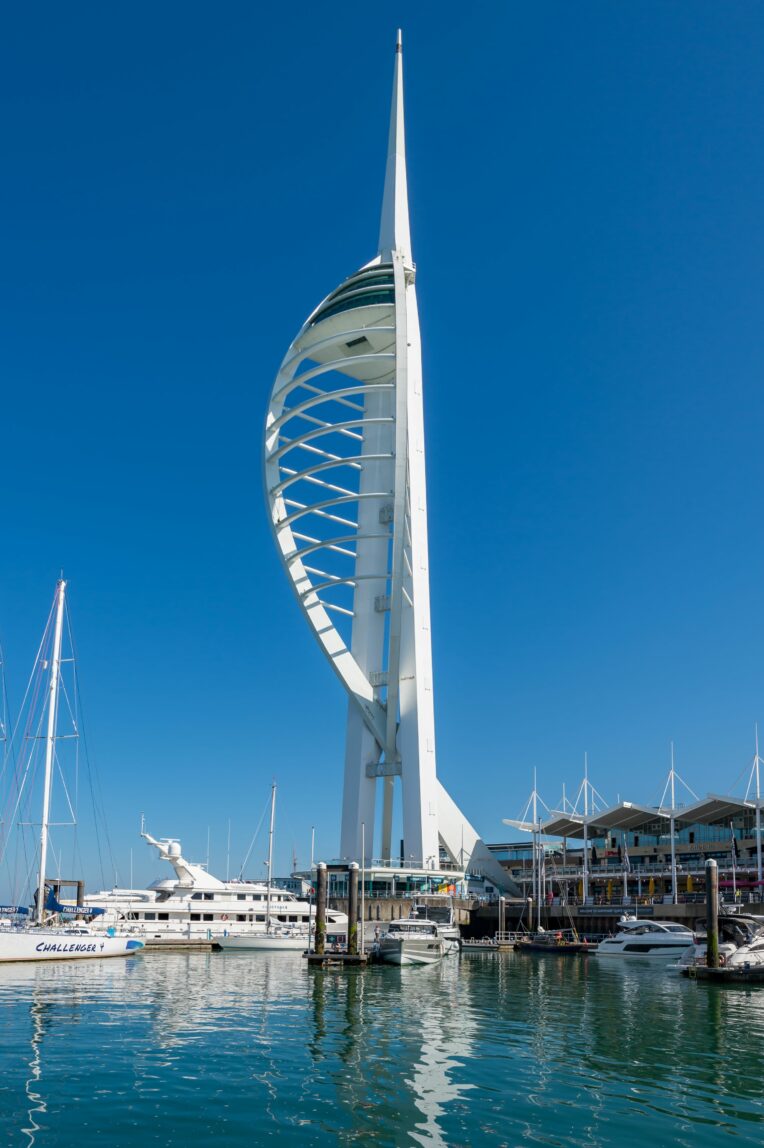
point(262, 944)
point(43, 945)
point(410, 952)
point(559, 949)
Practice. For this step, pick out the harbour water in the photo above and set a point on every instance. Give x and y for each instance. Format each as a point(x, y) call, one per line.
point(481, 1049)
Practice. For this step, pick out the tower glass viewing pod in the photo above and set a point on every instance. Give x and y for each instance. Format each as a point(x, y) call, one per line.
point(345, 480)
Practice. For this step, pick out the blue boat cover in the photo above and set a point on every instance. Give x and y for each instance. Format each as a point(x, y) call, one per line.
point(54, 906)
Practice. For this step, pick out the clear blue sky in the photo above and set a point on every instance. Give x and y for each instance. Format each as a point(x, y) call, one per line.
point(183, 183)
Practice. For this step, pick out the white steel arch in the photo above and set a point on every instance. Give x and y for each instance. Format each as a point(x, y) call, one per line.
point(345, 479)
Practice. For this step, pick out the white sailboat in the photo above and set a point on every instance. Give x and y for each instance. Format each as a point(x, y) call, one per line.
point(276, 936)
point(38, 941)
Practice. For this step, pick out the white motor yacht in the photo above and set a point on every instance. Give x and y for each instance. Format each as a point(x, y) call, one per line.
point(750, 955)
point(195, 904)
point(735, 931)
point(411, 941)
point(640, 938)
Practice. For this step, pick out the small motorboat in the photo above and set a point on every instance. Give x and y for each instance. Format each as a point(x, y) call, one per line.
point(559, 944)
point(411, 942)
point(480, 945)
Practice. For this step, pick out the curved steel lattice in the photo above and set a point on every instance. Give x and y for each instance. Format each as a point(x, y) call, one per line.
point(330, 465)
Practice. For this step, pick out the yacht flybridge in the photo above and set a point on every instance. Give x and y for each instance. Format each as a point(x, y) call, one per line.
point(194, 903)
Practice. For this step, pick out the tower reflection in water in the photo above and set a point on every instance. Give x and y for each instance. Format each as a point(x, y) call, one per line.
point(389, 1041)
point(500, 1049)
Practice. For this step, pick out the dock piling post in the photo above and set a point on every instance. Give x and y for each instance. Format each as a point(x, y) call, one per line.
point(502, 915)
point(712, 914)
point(353, 909)
point(321, 883)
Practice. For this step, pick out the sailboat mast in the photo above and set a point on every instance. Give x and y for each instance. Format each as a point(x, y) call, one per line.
point(585, 882)
point(534, 871)
point(757, 762)
point(50, 746)
point(270, 859)
point(672, 828)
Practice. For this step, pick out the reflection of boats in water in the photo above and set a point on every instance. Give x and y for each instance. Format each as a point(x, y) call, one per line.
point(638, 938)
point(411, 942)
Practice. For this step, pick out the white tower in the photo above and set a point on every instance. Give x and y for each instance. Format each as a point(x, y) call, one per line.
point(345, 476)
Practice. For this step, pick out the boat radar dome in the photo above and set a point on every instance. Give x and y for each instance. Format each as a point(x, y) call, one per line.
point(173, 849)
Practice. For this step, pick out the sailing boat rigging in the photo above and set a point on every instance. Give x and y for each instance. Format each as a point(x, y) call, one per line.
point(37, 941)
point(275, 937)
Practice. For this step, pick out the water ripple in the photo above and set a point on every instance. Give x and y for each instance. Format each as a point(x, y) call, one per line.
point(510, 1050)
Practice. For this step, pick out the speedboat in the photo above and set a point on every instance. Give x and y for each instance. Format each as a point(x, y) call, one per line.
point(640, 938)
point(748, 956)
point(411, 941)
point(735, 931)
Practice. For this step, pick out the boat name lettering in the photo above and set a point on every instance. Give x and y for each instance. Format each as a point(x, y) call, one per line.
point(45, 947)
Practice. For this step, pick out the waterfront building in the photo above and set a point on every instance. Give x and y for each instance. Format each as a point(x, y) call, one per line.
point(345, 480)
point(628, 853)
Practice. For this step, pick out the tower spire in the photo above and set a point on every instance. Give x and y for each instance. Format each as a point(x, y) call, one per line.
point(394, 233)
